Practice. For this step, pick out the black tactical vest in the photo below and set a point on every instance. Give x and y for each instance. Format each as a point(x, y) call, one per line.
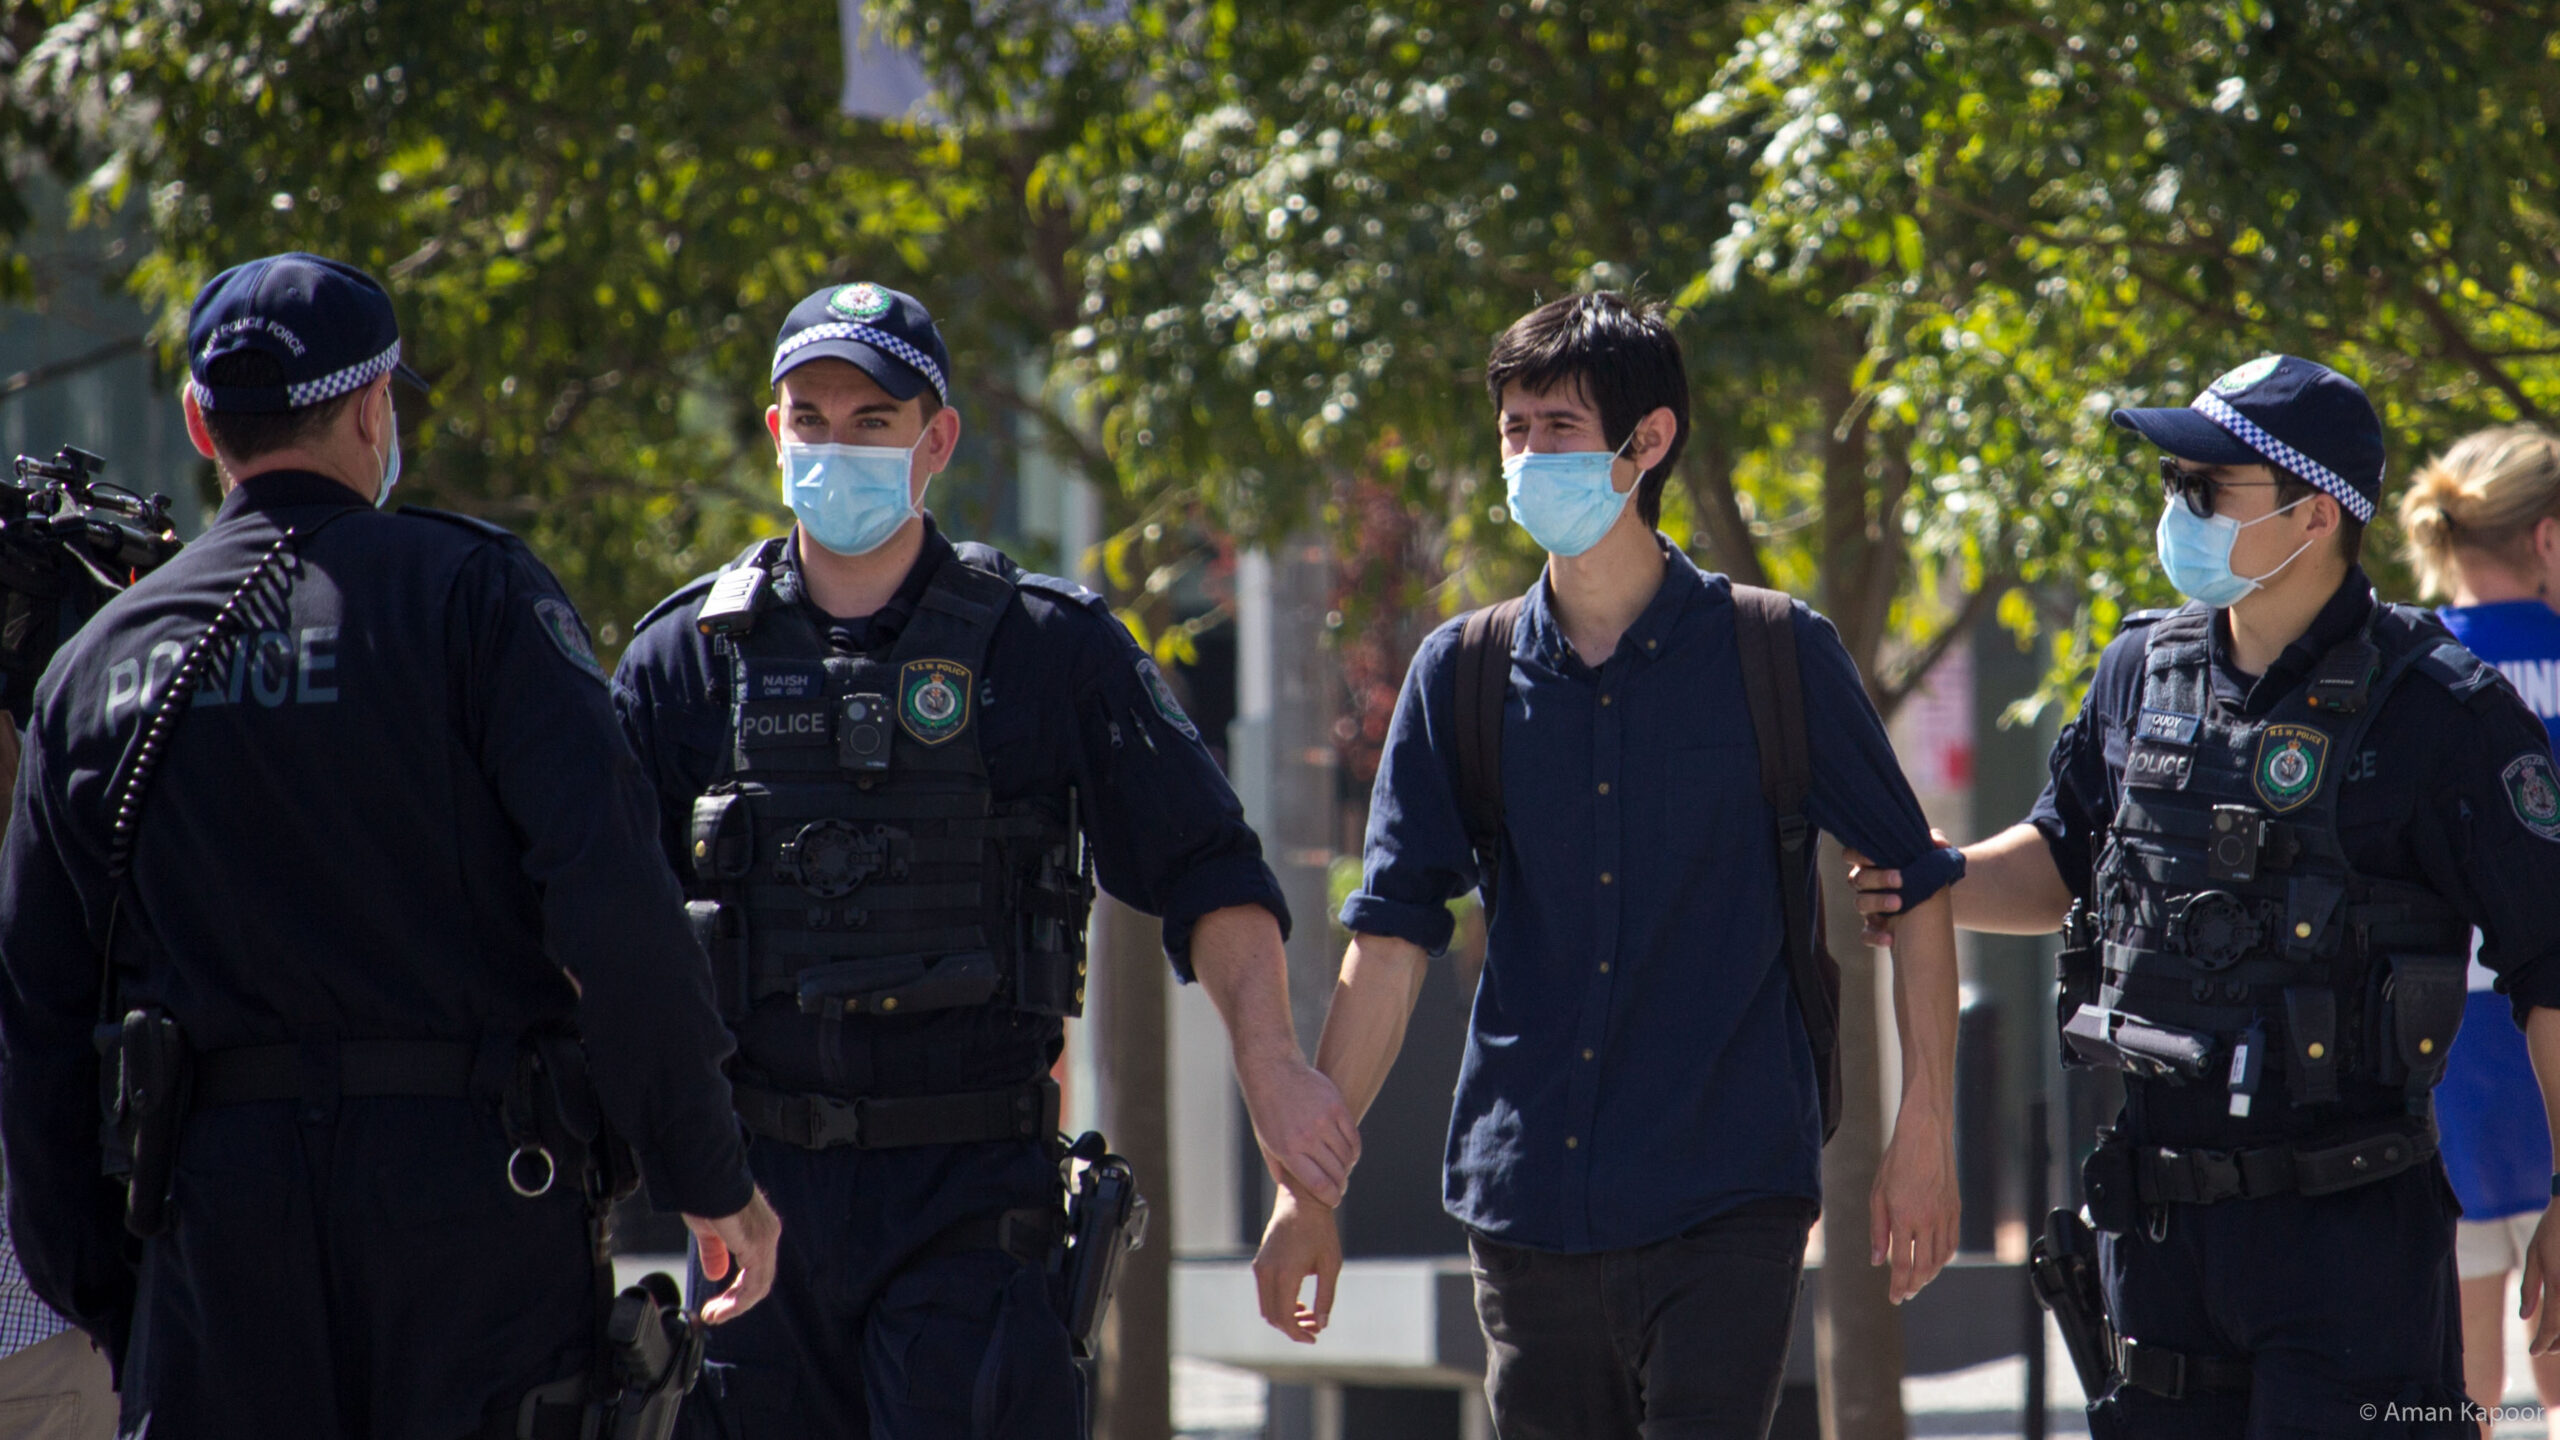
point(850, 856)
point(2236, 942)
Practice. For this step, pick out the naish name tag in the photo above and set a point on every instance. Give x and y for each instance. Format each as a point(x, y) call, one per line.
point(933, 699)
point(2287, 772)
point(770, 723)
point(785, 681)
point(2161, 767)
point(2167, 727)
point(2534, 792)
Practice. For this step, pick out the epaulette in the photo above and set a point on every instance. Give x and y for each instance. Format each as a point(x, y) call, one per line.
point(676, 601)
point(2450, 663)
point(2146, 617)
point(978, 555)
point(486, 529)
point(1067, 590)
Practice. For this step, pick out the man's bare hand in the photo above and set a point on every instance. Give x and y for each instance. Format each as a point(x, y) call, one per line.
point(1880, 892)
point(1913, 1210)
point(2541, 1270)
point(1307, 1133)
point(1300, 1241)
point(753, 1238)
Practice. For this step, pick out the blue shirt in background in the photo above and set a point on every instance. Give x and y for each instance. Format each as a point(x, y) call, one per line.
point(1634, 1064)
point(2497, 1146)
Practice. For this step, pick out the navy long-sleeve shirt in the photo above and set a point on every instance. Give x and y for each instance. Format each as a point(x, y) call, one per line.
point(1636, 1063)
point(398, 808)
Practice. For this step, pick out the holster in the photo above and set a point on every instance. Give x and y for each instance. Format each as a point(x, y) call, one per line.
point(2062, 1266)
point(153, 1079)
point(655, 1351)
point(1106, 1219)
point(2109, 1182)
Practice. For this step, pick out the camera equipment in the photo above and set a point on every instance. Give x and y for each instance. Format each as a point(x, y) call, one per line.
point(68, 543)
point(862, 741)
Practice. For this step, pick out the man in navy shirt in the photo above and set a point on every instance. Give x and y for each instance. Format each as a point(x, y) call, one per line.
point(1637, 1139)
point(890, 769)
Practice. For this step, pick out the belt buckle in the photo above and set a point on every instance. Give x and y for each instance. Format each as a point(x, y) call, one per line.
point(836, 1122)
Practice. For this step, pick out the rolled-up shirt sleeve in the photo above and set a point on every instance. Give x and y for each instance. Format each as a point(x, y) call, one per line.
point(1416, 857)
point(1859, 792)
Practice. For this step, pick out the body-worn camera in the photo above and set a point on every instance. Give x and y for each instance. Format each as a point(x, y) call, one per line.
point(68, 543)
point(862, 739)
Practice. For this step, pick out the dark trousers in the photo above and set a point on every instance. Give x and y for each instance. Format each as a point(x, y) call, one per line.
point(2344, 1306)
point(366, 1273)
point(1678, 1340)
point(865, 1336)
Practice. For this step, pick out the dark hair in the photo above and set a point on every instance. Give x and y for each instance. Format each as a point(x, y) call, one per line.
point(2292, 489)
point(248, 434)
point(1620, 353)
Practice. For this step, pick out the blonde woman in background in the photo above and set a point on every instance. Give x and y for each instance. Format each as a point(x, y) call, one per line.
point(2483, 528)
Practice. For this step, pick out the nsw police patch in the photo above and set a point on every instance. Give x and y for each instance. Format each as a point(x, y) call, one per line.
point(933, 699)
point(561, 624)
point(2235, 381)
point(2287, 773)
point(2535, 793)
point(1162, 694)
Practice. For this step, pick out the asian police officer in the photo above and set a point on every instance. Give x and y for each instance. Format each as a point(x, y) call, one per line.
point(2283, 808)
point(880, 759)
point(335, 804)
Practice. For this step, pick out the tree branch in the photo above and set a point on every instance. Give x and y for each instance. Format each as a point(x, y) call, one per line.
point(2459, 346)
point(46, 374)
point(1888, 692)
point(1708, 477)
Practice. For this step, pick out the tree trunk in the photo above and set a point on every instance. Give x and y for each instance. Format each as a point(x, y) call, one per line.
point(1857, 1333)
point(1134, 1399)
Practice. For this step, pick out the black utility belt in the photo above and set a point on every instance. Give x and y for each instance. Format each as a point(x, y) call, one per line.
point(365, 1067)
point(2122, 1178)
point(823, 1122)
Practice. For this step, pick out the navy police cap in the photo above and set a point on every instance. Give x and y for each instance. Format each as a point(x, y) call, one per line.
point(2279, 410)
point(328, 327)
point(888, 333)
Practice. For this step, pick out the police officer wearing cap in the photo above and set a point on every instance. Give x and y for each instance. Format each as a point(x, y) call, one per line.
point(326, 825)
point(2278, 814)
point(889, 769)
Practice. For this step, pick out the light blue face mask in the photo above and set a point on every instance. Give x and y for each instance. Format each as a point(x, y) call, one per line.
point(2195, 552)
point(1564, 499)
point(850, 498)
point(390, 466)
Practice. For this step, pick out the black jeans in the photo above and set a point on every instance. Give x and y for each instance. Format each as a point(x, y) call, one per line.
point(1676, 1340)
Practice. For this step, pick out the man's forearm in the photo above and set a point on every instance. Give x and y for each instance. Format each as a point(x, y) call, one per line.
point(1924, 1002)
point(1372, 1002)
point(2010, 885)
point(1236, 954)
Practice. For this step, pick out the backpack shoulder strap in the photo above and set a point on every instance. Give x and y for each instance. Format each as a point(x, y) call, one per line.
point(1773, 685)
point(1484, 686)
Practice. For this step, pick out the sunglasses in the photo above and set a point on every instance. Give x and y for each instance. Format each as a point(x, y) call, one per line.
point(2197, 487)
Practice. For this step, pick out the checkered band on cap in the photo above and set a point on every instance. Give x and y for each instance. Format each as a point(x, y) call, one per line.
point(916, 359)
point(2215, 409)
point(328, 387)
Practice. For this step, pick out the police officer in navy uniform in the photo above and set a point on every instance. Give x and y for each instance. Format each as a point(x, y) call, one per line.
point(335, 804)
point(2282, 807)
point(889, 768)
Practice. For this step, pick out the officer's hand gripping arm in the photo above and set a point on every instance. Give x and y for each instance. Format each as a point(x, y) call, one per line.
point(753, 1239)
point(1308, 1135)
point(2010, 887)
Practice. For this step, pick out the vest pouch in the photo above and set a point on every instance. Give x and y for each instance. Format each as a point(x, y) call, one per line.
point(2311, 1043)
point(722, 839)
point(1049, 982)
point(2423, 997)
point(899, 984)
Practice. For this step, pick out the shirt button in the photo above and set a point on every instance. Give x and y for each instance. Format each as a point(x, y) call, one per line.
point(1604, 699)
point(1586, 1054)
point(2302, 930)
point(1572, 1142)
point(1604, 787)
point(1605, 878)
point(1604, 967)
point(1652, 644)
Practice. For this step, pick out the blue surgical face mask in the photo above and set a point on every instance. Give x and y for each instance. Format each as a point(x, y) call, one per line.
point(1565, 500)
point(391, 463)
point(850, 498)
point(2196, 553)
